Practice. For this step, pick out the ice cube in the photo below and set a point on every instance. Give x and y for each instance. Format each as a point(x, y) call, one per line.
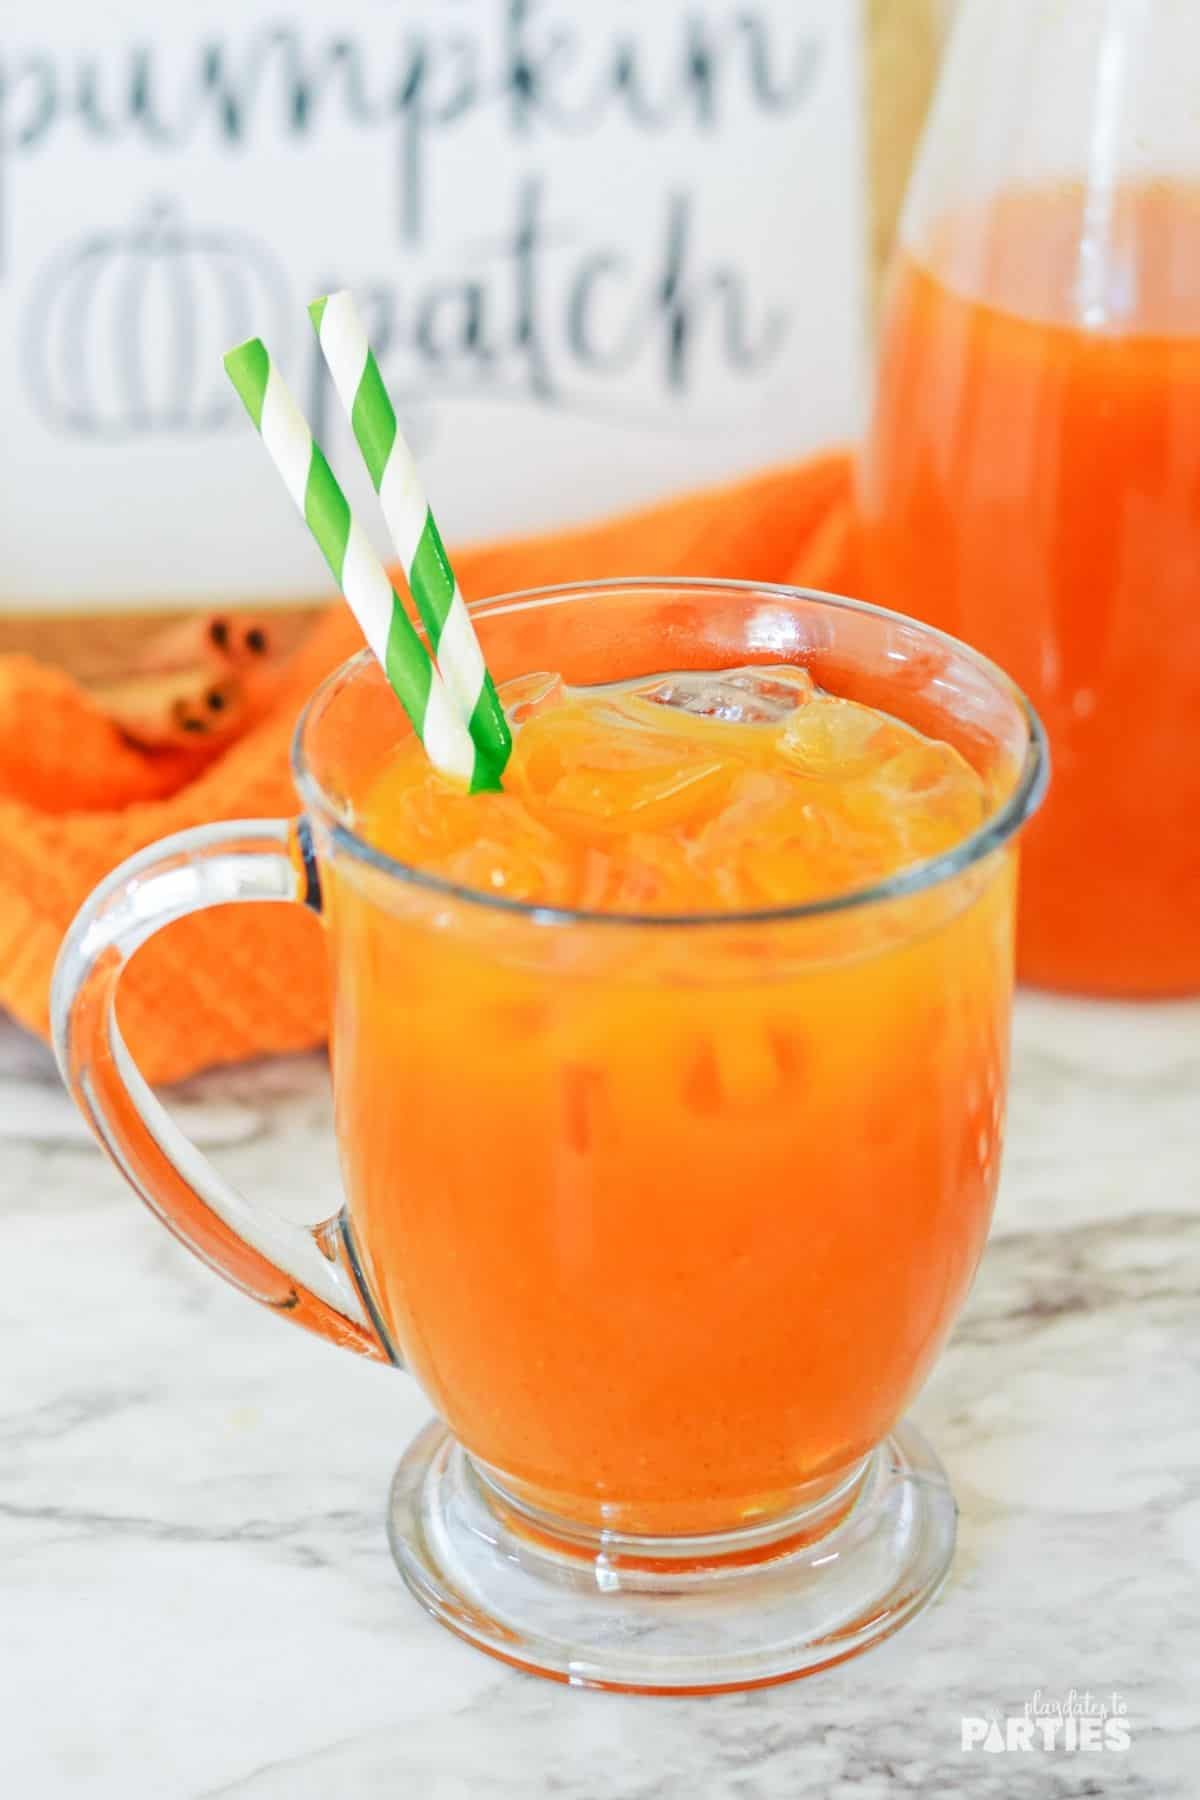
point(756, 696)
point(840, 740)
point(528, 695)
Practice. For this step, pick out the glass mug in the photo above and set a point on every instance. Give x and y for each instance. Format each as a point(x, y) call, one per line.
point(669, 1216)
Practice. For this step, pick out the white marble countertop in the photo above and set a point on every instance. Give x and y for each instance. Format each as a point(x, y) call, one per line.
point(196, 1595)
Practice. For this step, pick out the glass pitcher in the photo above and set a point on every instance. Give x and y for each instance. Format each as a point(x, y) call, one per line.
point(1031, 480)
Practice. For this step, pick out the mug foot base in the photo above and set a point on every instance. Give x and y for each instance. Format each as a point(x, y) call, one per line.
point(739, 1610)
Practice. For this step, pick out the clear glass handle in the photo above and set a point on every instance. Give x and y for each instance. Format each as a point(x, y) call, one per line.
point(297, 1271)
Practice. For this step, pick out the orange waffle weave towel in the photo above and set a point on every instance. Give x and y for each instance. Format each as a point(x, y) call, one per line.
point(75, 798)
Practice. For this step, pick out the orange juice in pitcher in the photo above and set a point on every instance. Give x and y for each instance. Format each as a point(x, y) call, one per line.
point(1032, 477)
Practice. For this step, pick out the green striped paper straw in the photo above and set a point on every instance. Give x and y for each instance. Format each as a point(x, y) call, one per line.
point(414, 533)
point(357, 570)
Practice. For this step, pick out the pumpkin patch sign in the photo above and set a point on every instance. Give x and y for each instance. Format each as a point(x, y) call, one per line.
point(604, 251)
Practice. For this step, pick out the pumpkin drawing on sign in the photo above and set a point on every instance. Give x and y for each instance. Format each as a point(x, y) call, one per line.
point(126, 328)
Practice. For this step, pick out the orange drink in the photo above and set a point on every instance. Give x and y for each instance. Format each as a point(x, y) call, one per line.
point(669, 1086)
point(1032, 484)
point(752, 1175)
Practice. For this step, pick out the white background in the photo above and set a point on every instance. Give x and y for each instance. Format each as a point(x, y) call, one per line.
point(127, 471)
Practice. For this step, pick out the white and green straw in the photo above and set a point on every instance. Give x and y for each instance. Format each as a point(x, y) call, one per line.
point(414, 533)
point(436, 717)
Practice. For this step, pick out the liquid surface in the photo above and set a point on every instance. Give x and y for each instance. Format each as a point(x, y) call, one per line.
point(743, 790)
point(1032, 485)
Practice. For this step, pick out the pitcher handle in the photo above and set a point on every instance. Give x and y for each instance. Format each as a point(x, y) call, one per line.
point(296, 1270)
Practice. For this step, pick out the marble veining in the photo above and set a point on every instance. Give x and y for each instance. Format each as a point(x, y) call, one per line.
point(196, 1597)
